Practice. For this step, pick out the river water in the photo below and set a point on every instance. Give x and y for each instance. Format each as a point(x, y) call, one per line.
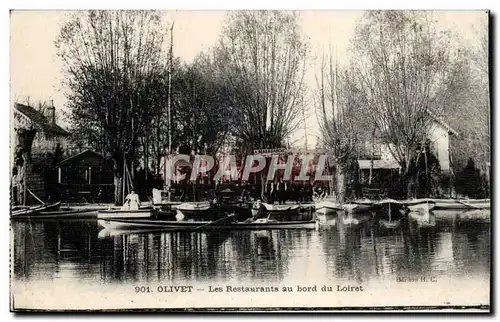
point(450, 260)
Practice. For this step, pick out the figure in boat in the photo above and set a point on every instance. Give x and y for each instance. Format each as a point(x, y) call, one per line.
point(131, 201)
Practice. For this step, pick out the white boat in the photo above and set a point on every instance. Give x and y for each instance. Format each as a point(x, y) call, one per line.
point(123, 213)
point(132, 225)
point(196, 211)
point(194, 206)
point(469, 204)
point(360, 205)
point(388, 209)
point(274, 209)
point(420, 204)
point(21, 211)
point(280, 208)
point(325, 207)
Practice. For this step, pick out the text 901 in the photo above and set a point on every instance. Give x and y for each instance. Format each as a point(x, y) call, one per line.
point(142, 289)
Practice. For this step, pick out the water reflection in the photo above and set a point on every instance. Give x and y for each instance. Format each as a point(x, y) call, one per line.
point(47, 250)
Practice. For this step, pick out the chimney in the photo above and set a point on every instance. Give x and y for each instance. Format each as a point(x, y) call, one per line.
point(51, 113)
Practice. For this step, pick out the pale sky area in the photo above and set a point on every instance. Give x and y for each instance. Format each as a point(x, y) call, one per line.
point(35, 68)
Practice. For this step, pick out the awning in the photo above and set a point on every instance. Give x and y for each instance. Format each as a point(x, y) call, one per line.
point(378, 164)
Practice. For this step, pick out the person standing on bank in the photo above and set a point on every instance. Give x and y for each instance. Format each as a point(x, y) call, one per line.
point(281, 189)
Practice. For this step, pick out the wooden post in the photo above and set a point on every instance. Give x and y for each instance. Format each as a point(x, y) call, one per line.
point(90, 174)
point(59, 175)
point(123, 179)
point(25, 179)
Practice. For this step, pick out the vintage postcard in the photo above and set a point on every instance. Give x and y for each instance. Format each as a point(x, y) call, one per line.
point(250, 160)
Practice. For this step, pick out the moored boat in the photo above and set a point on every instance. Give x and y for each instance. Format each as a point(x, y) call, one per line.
point(326, 206)
point(277, 212)
point(33, 210)
point(358, 206)
point(261, 223)
point(470, 204)
point(125, 213)
point(387, 209)
point(198, 211)
point(420, 204)
point(62, 213)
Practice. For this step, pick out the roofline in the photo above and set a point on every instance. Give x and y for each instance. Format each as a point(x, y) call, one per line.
point(442, 123)
point(66, 133)
point(75, 156)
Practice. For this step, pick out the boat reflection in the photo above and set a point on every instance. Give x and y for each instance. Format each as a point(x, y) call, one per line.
point(422, 219)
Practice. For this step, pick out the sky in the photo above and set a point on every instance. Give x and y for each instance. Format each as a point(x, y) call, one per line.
point(35, 68)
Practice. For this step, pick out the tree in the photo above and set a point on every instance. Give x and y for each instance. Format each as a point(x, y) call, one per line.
point(338, 109)
point(202, 114)
point(24, 136)
point(114, 66)
point(469, 109)
point(402, 64)
point(262, 59)
point(469, 181)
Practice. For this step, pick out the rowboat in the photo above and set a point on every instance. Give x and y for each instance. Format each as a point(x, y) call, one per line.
point(360, 205)
point(325, 207)
point(471, 204)
point(261, 223)
point(388, 209)
point(420, 204)
point(274, 210)
point(307, 206)
point(61, 213)
point(29, 211)
point(277, 209)
point(193, 207)
point(201, 211)
point(125, 213)
point(327, 212)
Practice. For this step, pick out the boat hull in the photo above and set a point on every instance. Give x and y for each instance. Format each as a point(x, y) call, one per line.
point(62, 214)
point(357, 207)
point(118, 213)
point(421, 205)
point(127, 224)
point(459, 204)
point(388, 210)
point(35, 210)
point(327, 207)
point(278, 212)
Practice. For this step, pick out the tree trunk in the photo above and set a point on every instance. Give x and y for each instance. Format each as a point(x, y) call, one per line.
point(371, 157)
point(22, 163)
point(340, 184)
point(262, 186)
point(410, 186)
point(118, 181)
